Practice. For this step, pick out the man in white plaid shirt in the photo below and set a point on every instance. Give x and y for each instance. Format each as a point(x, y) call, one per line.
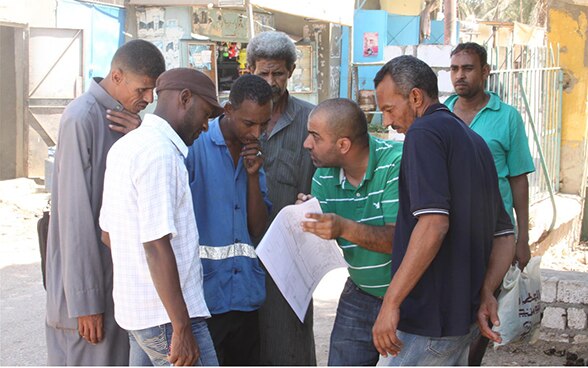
point(148, 219)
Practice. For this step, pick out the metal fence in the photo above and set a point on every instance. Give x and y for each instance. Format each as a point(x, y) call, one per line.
point(531, 80)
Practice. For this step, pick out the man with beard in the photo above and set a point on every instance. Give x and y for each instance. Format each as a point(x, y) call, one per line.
point(231, 206)
point(502, 128)
point(272, 56)
point(356, 184)
point(147, 219)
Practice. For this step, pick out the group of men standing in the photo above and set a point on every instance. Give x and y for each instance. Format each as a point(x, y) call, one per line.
point(182, 197)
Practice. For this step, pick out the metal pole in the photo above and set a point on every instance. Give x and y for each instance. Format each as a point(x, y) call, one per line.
point(449, 10)
point(250, 18)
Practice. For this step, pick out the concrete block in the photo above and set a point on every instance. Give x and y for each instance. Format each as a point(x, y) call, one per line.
point(576, 318)
point(411, 50)
point(573, 291)
point(392, 51)
point(444, 82)
point(549, 289)
point(435, 55)
point(554, 317)
point(580, 339)
point(553, 336)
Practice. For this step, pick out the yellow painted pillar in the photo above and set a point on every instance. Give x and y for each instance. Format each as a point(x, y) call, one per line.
point(568, 26)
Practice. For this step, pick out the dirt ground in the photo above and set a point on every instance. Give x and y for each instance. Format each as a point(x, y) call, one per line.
point(22, 298)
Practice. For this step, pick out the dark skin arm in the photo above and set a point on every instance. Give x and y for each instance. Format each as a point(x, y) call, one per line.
point(164, 271)
point(123, 121)
point(257, 212)
point(91, 327)
point(500, 260)
point(424, 244)
point(105, 238)
point(519, 186)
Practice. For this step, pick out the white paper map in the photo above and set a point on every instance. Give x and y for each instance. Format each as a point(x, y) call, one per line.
point(295, 259)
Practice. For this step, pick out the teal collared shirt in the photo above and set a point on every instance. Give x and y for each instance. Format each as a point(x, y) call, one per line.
point(501, 126)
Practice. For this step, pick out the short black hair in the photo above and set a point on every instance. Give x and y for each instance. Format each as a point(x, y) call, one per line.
point(345, 119)
point(250, 87)
point(408, 72)
point(472, 47)
point(139, 57)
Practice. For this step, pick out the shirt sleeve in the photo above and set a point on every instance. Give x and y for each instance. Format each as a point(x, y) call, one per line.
point(504, 225)
point(425, 165)
point(518, 159)
point(156, 178)
point(390, 196)
point(83, 273)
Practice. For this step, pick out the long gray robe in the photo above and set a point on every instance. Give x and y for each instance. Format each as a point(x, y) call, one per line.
point(79, 266)
point(284, 340)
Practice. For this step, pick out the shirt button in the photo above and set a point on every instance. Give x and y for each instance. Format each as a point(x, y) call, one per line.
point(237, 207)
point(237, 241)
point(357, 194)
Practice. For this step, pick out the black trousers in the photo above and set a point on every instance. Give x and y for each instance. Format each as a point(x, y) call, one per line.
point(235, 335)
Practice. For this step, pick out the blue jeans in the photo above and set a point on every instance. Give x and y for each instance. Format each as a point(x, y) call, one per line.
point(439, 351)
point(351, 339)
point(151, 345)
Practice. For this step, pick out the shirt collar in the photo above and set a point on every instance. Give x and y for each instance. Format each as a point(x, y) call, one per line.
point(214, 130)
point(371, 166)
point(103, 98)
point(156, 122)
point(493, 102)
point(435, 107)
point(288, 116)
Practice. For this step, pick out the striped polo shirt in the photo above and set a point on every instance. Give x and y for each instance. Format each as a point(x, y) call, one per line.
point(374, 202)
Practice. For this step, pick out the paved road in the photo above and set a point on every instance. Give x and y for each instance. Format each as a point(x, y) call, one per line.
point(22, 314)
point(22, 297)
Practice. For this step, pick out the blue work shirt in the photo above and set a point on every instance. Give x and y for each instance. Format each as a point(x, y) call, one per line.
point(233, 278)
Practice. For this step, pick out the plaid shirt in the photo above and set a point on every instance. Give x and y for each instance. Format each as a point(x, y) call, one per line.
point(146, 197)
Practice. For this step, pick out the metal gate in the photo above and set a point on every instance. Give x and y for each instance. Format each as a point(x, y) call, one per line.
point(55, 79)
point(531, 80)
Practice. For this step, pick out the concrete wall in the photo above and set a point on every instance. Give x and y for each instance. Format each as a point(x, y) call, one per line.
point(565, 302)
point(568, 26)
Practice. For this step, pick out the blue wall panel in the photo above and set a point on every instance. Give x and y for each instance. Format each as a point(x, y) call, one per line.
point(403, 30)
point(438, 33)
point(369, 21)
point(103, 28)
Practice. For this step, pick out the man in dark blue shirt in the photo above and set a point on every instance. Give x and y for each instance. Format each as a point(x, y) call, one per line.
point(453, 240)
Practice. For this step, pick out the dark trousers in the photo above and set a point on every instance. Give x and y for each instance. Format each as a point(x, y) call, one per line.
point(235, 335)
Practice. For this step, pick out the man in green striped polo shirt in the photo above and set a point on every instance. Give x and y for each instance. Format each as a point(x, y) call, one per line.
point(356, 185)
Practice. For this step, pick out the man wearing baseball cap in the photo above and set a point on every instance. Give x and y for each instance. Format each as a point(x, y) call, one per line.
point(148, 220)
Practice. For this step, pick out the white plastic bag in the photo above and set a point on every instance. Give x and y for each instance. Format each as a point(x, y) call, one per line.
point(519, 304)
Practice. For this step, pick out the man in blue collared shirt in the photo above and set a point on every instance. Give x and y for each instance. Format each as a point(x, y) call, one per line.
point(231, 206)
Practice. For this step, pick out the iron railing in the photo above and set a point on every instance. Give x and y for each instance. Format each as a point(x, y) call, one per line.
point(530, 79)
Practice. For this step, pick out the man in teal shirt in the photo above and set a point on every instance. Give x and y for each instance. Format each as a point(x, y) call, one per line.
point(501, 126)
point(356, 185)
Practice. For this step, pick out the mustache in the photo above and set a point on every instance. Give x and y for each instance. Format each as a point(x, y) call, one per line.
point(276, 90)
